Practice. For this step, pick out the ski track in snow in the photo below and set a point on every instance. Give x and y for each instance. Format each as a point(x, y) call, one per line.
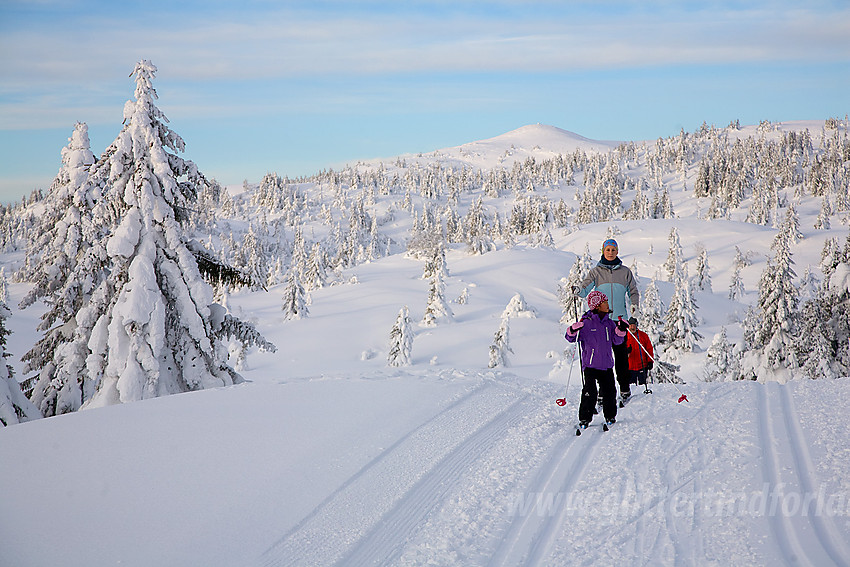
point(384, 544)
point(387, 515)
point(530, 536)
point(440, 448)
point(805, 536)
point(408, 520)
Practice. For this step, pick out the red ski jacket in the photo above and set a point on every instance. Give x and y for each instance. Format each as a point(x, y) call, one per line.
point(638, 359)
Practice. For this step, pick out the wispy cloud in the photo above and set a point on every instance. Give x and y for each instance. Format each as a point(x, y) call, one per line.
point(288, 43)
point(50, 65)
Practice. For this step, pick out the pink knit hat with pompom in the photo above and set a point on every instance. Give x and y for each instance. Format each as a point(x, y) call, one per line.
point(595, 299)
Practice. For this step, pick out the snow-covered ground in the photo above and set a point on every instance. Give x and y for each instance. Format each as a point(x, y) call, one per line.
point(328, 457)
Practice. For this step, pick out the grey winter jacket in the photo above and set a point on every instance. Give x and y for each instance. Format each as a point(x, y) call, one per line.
point(616, 281)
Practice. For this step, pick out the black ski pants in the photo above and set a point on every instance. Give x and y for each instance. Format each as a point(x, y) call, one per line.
point(607, 390)
point(621, 365)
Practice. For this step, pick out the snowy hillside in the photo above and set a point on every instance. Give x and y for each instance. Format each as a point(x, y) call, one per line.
point(537, 141)
point(328, 456)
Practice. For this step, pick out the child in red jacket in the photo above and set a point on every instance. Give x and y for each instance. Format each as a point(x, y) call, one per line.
point(640, 351)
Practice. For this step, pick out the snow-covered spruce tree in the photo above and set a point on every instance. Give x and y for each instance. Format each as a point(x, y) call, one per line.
point(674, 255)
point(652, 312)
point(641, 207)
point(255, 258)
point(703, 278)
point(570, 309)
point(822, 222)
point(568, 301)
point(681, 320)
point(792, 224)
point(437, 306)
point(476, 229)
point(435, 262)
point(830, 257)
point(57, 239)
point(401, 340)
point(15, 407)
point(316, 275)
point(736, 286)
point(662, 205)
point(501, 345)
point(72, 262)
point(294, 304)
point(770, 329)
point(824, 346)
point(60, 247)
point(150, 327)
point(721, 364)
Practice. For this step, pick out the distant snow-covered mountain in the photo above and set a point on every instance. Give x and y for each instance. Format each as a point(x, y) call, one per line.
point(538, 141)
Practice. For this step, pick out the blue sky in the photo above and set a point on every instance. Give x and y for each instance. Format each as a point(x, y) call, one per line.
point(296, 87)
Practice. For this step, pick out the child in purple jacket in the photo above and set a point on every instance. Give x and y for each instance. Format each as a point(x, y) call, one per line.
point(596, 334)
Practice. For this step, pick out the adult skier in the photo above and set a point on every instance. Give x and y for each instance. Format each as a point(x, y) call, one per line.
point(616, 280)
point(596, 334)
point(641, 354)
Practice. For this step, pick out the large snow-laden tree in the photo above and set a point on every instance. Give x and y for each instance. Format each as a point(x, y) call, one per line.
point(151, 328)
point(63, 247)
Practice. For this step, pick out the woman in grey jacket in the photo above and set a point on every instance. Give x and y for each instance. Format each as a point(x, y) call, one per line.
point(615, 280)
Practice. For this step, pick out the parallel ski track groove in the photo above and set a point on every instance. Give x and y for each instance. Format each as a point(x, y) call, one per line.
point(286, 552)
point(385, 543)
point(784, 533)
point(541, 481)
point(530, 538)
point(824, 529)
point(546, 535)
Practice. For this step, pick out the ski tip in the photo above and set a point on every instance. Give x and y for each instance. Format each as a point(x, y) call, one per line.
point(604, 427)
point(578, 431)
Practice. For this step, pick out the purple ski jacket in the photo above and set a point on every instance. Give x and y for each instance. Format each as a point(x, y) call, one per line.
point(596, 337)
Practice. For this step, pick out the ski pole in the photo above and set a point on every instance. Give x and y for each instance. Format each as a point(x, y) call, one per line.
point(563, 401)
point(683, 397)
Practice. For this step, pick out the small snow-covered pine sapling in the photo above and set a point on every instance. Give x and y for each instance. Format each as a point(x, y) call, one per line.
point(501, 345)
point(401, 340)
